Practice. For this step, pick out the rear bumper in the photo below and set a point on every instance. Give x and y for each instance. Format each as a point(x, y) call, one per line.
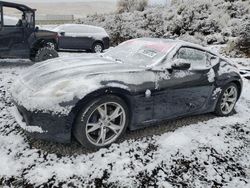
point(106, 43)
point(45, 126)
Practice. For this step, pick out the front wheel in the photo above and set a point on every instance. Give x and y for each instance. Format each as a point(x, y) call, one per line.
point(101, 122)
point(227, 100)
point(44, 54)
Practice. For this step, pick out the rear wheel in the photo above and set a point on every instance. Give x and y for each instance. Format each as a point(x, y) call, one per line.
point(102, 122)
point(97, 47)
point(227, 100)
point(44, 54)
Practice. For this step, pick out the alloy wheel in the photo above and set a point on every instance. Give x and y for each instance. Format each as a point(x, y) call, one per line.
point(105, 124)
point(98, 48)
point(228, 100)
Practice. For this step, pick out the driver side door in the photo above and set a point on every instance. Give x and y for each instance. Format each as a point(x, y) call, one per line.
point(183, 91)
point(74, 38)
point(11, 36)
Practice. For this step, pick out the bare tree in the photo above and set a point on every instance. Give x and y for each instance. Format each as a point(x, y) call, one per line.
point(131, 5)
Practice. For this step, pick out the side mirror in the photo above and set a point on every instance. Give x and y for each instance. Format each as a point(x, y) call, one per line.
point(180, 64)
point(36, 29)
point(62, 33)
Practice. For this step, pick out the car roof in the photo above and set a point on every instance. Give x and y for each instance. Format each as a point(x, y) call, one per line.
point(20, 7)
point(179, 43)
point(89, 26)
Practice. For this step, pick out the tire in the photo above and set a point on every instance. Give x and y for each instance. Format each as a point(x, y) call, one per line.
point(224, 98)
point(91, 122)
point(97, 47)
point(51, 45)
point(44, 54)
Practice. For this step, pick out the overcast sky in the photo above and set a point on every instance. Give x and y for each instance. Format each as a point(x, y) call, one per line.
point(55, 1)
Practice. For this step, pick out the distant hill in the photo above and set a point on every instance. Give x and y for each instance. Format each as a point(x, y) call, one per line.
point(79, 8)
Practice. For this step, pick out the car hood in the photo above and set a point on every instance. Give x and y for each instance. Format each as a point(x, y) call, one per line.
point(74, 69)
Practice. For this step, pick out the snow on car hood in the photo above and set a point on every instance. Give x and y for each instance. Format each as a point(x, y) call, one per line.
point(43, 74)
point(45, 85)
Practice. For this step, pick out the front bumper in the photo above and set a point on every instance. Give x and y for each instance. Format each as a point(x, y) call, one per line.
point(45, 126)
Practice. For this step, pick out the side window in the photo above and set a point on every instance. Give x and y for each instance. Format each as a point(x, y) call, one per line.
point(212, 60)
point(12, 17)
point(196, 58)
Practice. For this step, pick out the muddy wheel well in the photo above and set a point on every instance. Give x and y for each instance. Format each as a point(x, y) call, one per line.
point(238, 86)
point(41, 44)
point(122, 93)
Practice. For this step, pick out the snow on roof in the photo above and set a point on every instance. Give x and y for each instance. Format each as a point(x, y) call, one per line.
point(81, 30)
point(177, 42)
point(75, 26)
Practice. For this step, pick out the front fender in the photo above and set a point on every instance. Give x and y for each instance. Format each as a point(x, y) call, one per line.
point(79, 104)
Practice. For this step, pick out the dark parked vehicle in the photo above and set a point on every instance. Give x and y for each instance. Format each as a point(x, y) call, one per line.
point(22, 39)
point(82, 37)
point(139, 82)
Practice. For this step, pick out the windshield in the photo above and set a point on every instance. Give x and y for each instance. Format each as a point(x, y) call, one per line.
point(140, 52)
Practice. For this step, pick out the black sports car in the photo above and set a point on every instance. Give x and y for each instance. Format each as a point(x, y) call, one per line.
point(141, 81)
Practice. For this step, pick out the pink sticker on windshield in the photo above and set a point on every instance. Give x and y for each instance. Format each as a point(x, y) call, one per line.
point(160, 47)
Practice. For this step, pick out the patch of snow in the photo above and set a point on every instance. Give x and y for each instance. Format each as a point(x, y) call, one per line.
point(211, 75)
point(19, 119)
point(216, 92)
point(148, 93)
point(52, 82)
point(225, 68)
point(182, 74)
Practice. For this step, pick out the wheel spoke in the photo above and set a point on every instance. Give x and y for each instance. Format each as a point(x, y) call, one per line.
point(227, 106)
point(102, 112)
point(226, 93)
point(232, 100)
point(231, 92)
point(94, 127)
point(117, 112)
point(114, 128)
point(106, 128)
point(223, 105)
point(102, 136)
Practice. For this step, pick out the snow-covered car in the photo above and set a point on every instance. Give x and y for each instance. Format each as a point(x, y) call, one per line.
point(82, 37)
point(140, 82)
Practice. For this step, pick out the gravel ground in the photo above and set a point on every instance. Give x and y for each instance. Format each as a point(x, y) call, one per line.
point(181, 168)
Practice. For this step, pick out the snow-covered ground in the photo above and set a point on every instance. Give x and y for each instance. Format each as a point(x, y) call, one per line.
point(200, 151)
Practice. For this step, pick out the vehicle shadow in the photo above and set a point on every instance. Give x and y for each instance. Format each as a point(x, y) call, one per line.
point(74, 148)
point(15, 63)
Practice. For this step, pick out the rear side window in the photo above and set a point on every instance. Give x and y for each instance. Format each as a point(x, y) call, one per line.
point(12, 17)
point(212, 60)
point(196, 58)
